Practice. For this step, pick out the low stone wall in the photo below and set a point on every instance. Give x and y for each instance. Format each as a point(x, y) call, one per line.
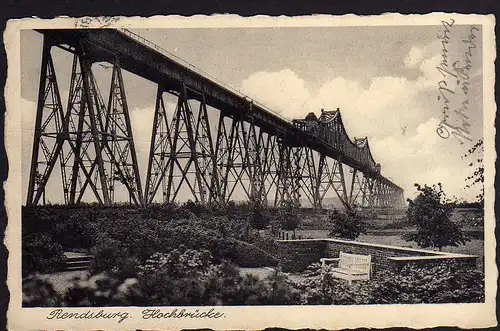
point(296, 255)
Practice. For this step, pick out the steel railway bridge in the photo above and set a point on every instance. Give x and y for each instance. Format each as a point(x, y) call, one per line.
point(269, 158)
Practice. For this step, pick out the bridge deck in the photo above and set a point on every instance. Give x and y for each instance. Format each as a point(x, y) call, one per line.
point(149, 62)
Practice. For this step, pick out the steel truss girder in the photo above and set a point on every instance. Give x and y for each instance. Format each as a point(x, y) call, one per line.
point(84, 137)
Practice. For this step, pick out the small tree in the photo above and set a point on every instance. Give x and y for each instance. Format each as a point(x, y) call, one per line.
point(430, 213)
point(288, 217)
point(477, 177)
point(346, 225)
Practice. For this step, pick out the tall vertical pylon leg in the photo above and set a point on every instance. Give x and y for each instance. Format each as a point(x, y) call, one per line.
point(289, 176)
point(115, 156)
point(119, 141)
point(330, 177)
point(159, 153)
point(48, 129)
point(96, 129)
point(190, 159)
point(76, 162)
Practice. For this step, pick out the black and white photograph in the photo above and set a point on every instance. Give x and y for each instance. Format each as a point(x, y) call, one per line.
point(167, 173)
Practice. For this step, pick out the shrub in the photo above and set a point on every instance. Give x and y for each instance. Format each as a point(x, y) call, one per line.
point(445, 283)
point(288, 217)
point(40, 253)
point(346, 225)
point(474, 217)
point(178, 263)
point(430, 213)
point(103, 290)
point(281, 291)
point(175, 278)
point(187, 277)
point(113, 257)
point(225, 286)
point(78, 231)
point(321, 288)
point(247, 255)
point(259, 216)
point(37, 292)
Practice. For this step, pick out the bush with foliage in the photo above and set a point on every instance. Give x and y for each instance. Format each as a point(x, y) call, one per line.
point(259, 217)
point(430, 212)
point(83, 291)
point(346, 225)
point(474, 217)
point(78, 231)
point(444, 283)
point(179, 263)
point(113, 257)
point(40, 253)
point(193, 280)
point(319, 287)
point(37, 292)
point(288, 216)
point(247, 255)
point(102, 290)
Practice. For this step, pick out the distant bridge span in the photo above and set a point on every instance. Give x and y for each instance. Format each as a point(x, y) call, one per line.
point(253, 150)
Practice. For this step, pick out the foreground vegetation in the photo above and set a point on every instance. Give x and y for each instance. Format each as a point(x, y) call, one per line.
point(121, 237)
point(191, 254)
point(169, 280)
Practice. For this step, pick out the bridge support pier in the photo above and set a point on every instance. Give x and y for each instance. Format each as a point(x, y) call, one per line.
point(330, 177)
point(159, 151)
point(93, 144)
point(183, 154)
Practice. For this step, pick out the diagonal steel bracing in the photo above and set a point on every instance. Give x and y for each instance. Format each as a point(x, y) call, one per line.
point(78, 160)
point(240, 159)
point(115, 162)
point(191, 156)
point(48, 129)
point(159, 152)
point(330, 176)
point(94, 144)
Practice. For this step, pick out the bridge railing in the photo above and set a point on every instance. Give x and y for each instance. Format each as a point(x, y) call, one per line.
point(204, 74)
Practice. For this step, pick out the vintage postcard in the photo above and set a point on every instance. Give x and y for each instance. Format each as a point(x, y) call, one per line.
point(241, 173)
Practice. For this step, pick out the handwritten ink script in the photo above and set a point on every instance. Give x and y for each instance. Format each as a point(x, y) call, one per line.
point(453, 88)
point(147, 314)
point(96, 22)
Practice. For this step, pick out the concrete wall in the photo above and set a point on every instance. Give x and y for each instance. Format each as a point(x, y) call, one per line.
point(296, 255)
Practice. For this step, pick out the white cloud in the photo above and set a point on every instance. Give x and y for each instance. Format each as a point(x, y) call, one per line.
point(282, 91)
point(414, 57)
point(390, 111)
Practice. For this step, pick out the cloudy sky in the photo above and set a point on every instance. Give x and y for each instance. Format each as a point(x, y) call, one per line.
point(384, 80)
